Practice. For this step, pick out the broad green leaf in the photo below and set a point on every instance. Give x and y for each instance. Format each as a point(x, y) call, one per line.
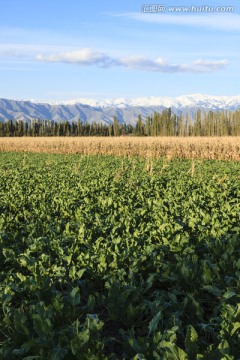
point(191, 342)
point(213, 290)
point(75, 296)
point(154, 322)
point(58, 353)
point(229, 294)
point(236, 326)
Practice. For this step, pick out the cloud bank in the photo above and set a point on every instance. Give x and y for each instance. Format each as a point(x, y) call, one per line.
point(88, 57)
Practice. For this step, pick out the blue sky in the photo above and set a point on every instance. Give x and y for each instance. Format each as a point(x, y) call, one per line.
point(62, 50)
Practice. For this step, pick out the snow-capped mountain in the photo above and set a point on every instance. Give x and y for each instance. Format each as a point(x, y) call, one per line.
point(195, 100)
point(126, 109)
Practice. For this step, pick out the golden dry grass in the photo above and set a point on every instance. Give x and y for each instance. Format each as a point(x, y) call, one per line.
point(221, 148)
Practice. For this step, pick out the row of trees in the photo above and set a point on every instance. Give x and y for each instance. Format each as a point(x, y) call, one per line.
point(159, 124)
point(38, 127)
point(201, 123)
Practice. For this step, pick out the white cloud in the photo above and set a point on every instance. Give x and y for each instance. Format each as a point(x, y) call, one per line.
point(208, 65)
point(14, 50)
point(88, 57)
point(221, 21)
point(80, 57)
point(161, 65)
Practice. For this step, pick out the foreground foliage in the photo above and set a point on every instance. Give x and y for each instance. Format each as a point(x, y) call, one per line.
point(108, 258)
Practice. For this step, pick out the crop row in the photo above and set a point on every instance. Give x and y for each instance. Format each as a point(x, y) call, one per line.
point(210, 148)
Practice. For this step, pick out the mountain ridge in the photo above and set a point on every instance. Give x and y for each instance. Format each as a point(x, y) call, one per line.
point(126, 109)
point(181, 101)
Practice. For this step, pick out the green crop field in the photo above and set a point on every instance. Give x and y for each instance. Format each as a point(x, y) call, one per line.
point(116, 258)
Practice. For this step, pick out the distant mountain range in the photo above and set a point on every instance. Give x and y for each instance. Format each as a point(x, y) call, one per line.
point(126, 109)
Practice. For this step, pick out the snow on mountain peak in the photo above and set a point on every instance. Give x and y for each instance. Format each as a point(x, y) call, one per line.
point(179, 102)
point(193, 100)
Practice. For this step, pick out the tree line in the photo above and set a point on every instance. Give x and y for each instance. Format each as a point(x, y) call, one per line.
point(201, 123)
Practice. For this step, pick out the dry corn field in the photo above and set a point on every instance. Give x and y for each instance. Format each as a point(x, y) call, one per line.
point(219, 148)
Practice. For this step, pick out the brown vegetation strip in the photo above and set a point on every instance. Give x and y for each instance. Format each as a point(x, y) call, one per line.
point(221, 148)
